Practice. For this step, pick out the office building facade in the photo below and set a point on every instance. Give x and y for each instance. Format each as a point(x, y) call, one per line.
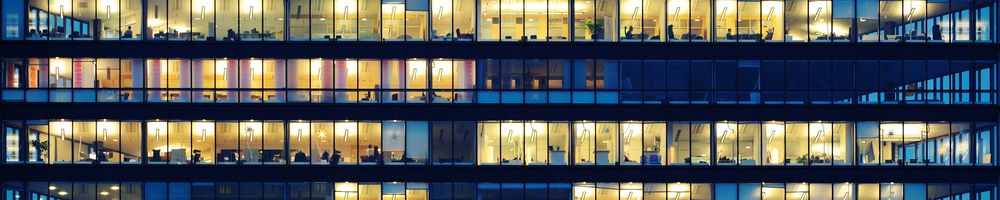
point(499, 99)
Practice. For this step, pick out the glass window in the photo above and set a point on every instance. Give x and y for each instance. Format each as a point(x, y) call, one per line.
point(251, 134)
point(797, 143)
point(394, 77)
point(536, 143)
point(748, 21)
point(417, 17)
point(559, 142)
point(843, 134)
point(726, 143)
point(274, 143)
point(370, 137)
point(984, 23)
point(203, 142)
point(606, 18)
point(227, 142)
point(512, 143)
point(156, 142)
point(298, 77)
point(322, 140)
point(394, 141)
point(342, 25)
point(772, 20)
point(106, 146)
point(654, 146)
point(961, 29)
point(441, 77)
point(489, 25)
point(442, 143)
point(584, 143)
point(939, 19)
point(299, 140)
point(679, 21)
point(631, 18)
point(631, 143)
point(179, 15)
point(178, 149)
point(842, 28)
point(962, 141)
point(821, 147)
point(368, 26)
point(868, 20)
point(891, 20)
point(679, 143)
point(748, 139)
point(774, 143)
point(345, 136)
point(701, 138)
point(442, 20)
point(725, 20)
point(393, 21)
point(489, 143)
point(416, 78)
point(914, 20)
point(557, 21)
point(985, 133)
point(820, 22)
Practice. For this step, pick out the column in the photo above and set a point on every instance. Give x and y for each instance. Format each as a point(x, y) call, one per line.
point(341, 78)
point(138, 80)
point(293, 80)
point(279, 81)
point(154, 80)
point(326, 80)
point(185, 80)
point(198, 80)
point(232, 81)
point(246, 79)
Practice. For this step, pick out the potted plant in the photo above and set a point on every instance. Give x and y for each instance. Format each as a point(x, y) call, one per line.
point(596, 28)
point(804, 159)
point(40, 147)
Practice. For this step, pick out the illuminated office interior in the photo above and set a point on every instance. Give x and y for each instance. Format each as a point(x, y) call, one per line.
point(519, 143)
point(789, 21)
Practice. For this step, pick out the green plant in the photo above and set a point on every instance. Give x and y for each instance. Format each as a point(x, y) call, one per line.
point(802, 159)
point(41, 147)
point(596, 28)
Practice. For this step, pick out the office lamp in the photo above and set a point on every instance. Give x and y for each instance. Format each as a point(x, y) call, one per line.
point(298, 136)
point(677, 11)
point(818, 12)
point(249, 131)
point(346, 133)
point(769, 13)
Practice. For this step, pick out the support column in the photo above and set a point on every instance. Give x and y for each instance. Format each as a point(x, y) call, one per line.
point(341, 78)
point(246, 79)
point(185, 81)
point(279, 80)
point(232, 81)
point(326, 80)
point(154, 80)
point(293, 81)
point(138, 80)
point(198, 81)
